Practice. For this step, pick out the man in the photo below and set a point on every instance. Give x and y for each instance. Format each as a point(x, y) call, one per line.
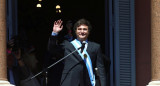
point(78, 67)
point(17, 71)
point(69, 26)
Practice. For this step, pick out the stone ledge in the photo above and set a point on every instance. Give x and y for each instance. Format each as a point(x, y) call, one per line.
point(5, 83)
point(154, 83)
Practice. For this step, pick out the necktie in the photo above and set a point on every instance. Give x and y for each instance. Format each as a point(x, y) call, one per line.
point(83, 45)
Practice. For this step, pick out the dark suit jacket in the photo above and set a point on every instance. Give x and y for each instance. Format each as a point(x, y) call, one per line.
point(75, 72)
point(19, 73)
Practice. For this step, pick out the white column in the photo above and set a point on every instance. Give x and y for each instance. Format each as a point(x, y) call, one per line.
point(155, 43)
point(3, 68)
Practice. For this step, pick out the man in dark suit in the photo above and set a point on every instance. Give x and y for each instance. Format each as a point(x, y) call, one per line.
point(79, 67)
point(17, 71)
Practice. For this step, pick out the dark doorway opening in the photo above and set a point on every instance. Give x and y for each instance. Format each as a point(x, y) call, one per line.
point(37, 22)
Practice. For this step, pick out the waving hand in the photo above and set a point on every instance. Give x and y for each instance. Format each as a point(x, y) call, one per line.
point(57, 27)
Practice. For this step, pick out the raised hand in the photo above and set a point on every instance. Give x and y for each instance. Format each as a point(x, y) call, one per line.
point(57, 27)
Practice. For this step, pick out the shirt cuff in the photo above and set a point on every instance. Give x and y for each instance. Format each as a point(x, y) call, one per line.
point(54, 34)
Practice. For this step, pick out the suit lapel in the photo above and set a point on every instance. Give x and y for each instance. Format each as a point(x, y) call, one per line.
point(89, 48)
point(76, 54)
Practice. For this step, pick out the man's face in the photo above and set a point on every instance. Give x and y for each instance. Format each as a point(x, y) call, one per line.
point(69, 24)
point(82, 32)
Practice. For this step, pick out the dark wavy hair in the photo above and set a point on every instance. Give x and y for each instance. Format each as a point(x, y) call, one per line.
point(82, 22)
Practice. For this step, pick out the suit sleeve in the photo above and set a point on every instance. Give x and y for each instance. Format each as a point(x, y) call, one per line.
point(55, 49)
point(52, 43)
point(101, 67)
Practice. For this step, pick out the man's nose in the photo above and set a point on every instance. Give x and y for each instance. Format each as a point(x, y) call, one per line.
point(82, 30)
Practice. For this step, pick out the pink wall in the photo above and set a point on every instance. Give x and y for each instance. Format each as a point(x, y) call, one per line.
point(143, 41)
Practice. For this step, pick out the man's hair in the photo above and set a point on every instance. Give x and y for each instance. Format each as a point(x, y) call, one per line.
point(82, 22)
